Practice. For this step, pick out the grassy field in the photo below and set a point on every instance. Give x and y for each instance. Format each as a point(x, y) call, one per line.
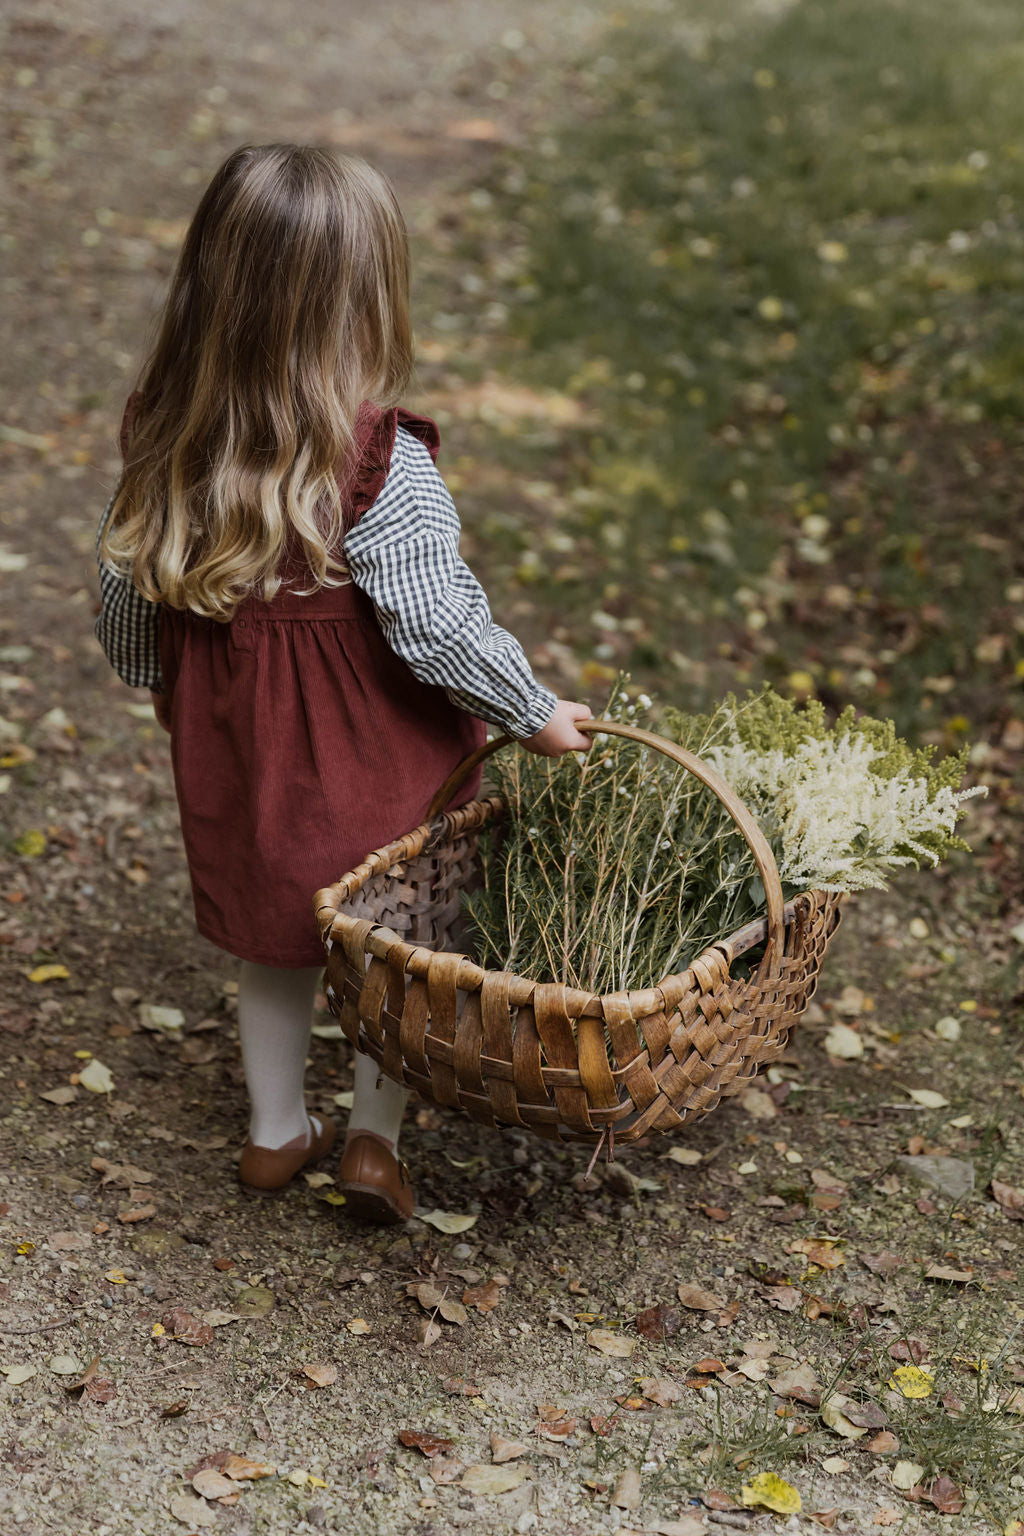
point(772, 268)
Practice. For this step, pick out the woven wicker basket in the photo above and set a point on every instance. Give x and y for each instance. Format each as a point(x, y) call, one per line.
point(570, 1065)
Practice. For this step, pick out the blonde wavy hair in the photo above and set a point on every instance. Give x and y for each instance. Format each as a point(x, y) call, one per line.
point(289, 308)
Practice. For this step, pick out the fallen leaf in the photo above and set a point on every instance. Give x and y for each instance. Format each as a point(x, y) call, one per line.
point(458, 1386)
point(426, 1442)
point(887, 1517)
point(833, 1413)
point(447, 1221)
point(321, 1375)
point(66, 1095)
point(826, 1518)
point(946, 1495)
point(953, 1276)
point(657, 1323)
point(884, 1263)
point(1010, 1200)
point(165, 1021)
point(446, 1469)
point(359, 1325)
point(912, 1381)
point(211, 1484)
point(698, 1300)
point(833, 1465)
point(799, 1383)
point(121, 1175)
point(689, 1157)
point(318, 1180)
point(192, 1511)
point(505, 1450)
point(49, 973)
point(181, 1325)
point(484, 1297)
point(491, 1479)
point(928, 1097)
point(784, 1298)
point(844, 1043)
point(240, 1468)
point(427, 1333)
point(64, 1365)
point(69, 1242)
point(136, 1213)
point(96, 1077)
point(661, 1390)
point(608, 1343)
point(626, 1492)
point(769, 1491)
point(17, 1375)
point(219, 1319)
point(821, 1251)
point(882, 1444)
point(758, 1104)
point(906, 1475)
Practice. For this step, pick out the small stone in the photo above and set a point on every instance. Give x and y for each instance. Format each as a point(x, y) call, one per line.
point(951, 1176)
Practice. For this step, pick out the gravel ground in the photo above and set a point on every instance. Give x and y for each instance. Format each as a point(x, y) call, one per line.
point(115, 118)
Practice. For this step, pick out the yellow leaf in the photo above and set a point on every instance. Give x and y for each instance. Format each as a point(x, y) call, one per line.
point(158, 1330)
point(82, 1055)
point(96, 1077)
point(315, 1482)
point(25, 1247)
point(769, 1491)
point(448, 1221)
point(118, 1277)
point(49, 973)
point(31, 843)
point(912, 1381)
point(332, 1196)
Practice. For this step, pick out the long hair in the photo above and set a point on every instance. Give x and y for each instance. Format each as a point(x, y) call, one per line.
point(289, 307)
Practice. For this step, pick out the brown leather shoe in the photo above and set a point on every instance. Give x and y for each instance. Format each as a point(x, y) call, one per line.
point(374, 1181)
point(269, 1169)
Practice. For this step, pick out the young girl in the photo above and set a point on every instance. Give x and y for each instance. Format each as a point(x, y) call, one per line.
point(280, 566)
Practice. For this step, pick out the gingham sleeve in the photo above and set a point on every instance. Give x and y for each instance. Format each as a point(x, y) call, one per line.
point(404, 554)
point(128, 624)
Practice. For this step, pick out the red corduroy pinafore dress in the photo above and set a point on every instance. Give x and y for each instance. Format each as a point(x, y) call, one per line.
point(300, 741)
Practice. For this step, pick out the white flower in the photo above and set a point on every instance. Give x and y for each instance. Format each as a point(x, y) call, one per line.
point(644, 701)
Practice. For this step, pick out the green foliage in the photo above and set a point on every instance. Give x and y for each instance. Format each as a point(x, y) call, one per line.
point(616, 867)
point(774, 256)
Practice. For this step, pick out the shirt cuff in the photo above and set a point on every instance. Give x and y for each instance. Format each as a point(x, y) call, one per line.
point(534, 715)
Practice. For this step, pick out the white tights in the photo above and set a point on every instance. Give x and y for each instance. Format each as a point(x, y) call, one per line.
point(275, 1013)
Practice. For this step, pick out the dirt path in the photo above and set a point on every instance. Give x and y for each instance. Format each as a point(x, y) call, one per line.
point(115, 119)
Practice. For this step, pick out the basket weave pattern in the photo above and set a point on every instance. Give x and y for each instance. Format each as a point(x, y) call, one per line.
point(567, 1064)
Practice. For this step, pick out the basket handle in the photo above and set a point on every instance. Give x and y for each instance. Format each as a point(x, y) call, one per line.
point(755, 838)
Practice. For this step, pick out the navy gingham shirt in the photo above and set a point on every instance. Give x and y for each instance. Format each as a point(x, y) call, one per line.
point(404, 554)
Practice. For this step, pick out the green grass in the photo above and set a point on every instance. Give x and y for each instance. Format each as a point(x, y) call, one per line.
point(780, 263)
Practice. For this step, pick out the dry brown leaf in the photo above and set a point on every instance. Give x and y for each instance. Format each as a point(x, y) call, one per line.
point(884, 1443)
point(320, 1375)
point(1009, 1199)
point(211, 1484)
point(241, 1469)
point(821, 1251)
point(608, 1343)
point(458, 1386)
point(834, 1414)
point(799, 1383)
point(428, 1332)
point(490, 1479)
point(698, 1300)
point(953, 1276)
point(484, 1297)
point(181, 1325)
point(626, 1493)
point(946, 1495)
point(192, 1511)
point(446, 1469)
point(657, 1323)
point(121, 1175)
point(427, 1442)
point(661, 1390)
point(505, 1450)
point(136, 1213)
point(784, 1298)
point(65, 1095)
point(884, 1263)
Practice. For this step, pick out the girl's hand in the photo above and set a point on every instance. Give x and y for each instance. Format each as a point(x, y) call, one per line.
point(560, 734)
point(162, 708)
